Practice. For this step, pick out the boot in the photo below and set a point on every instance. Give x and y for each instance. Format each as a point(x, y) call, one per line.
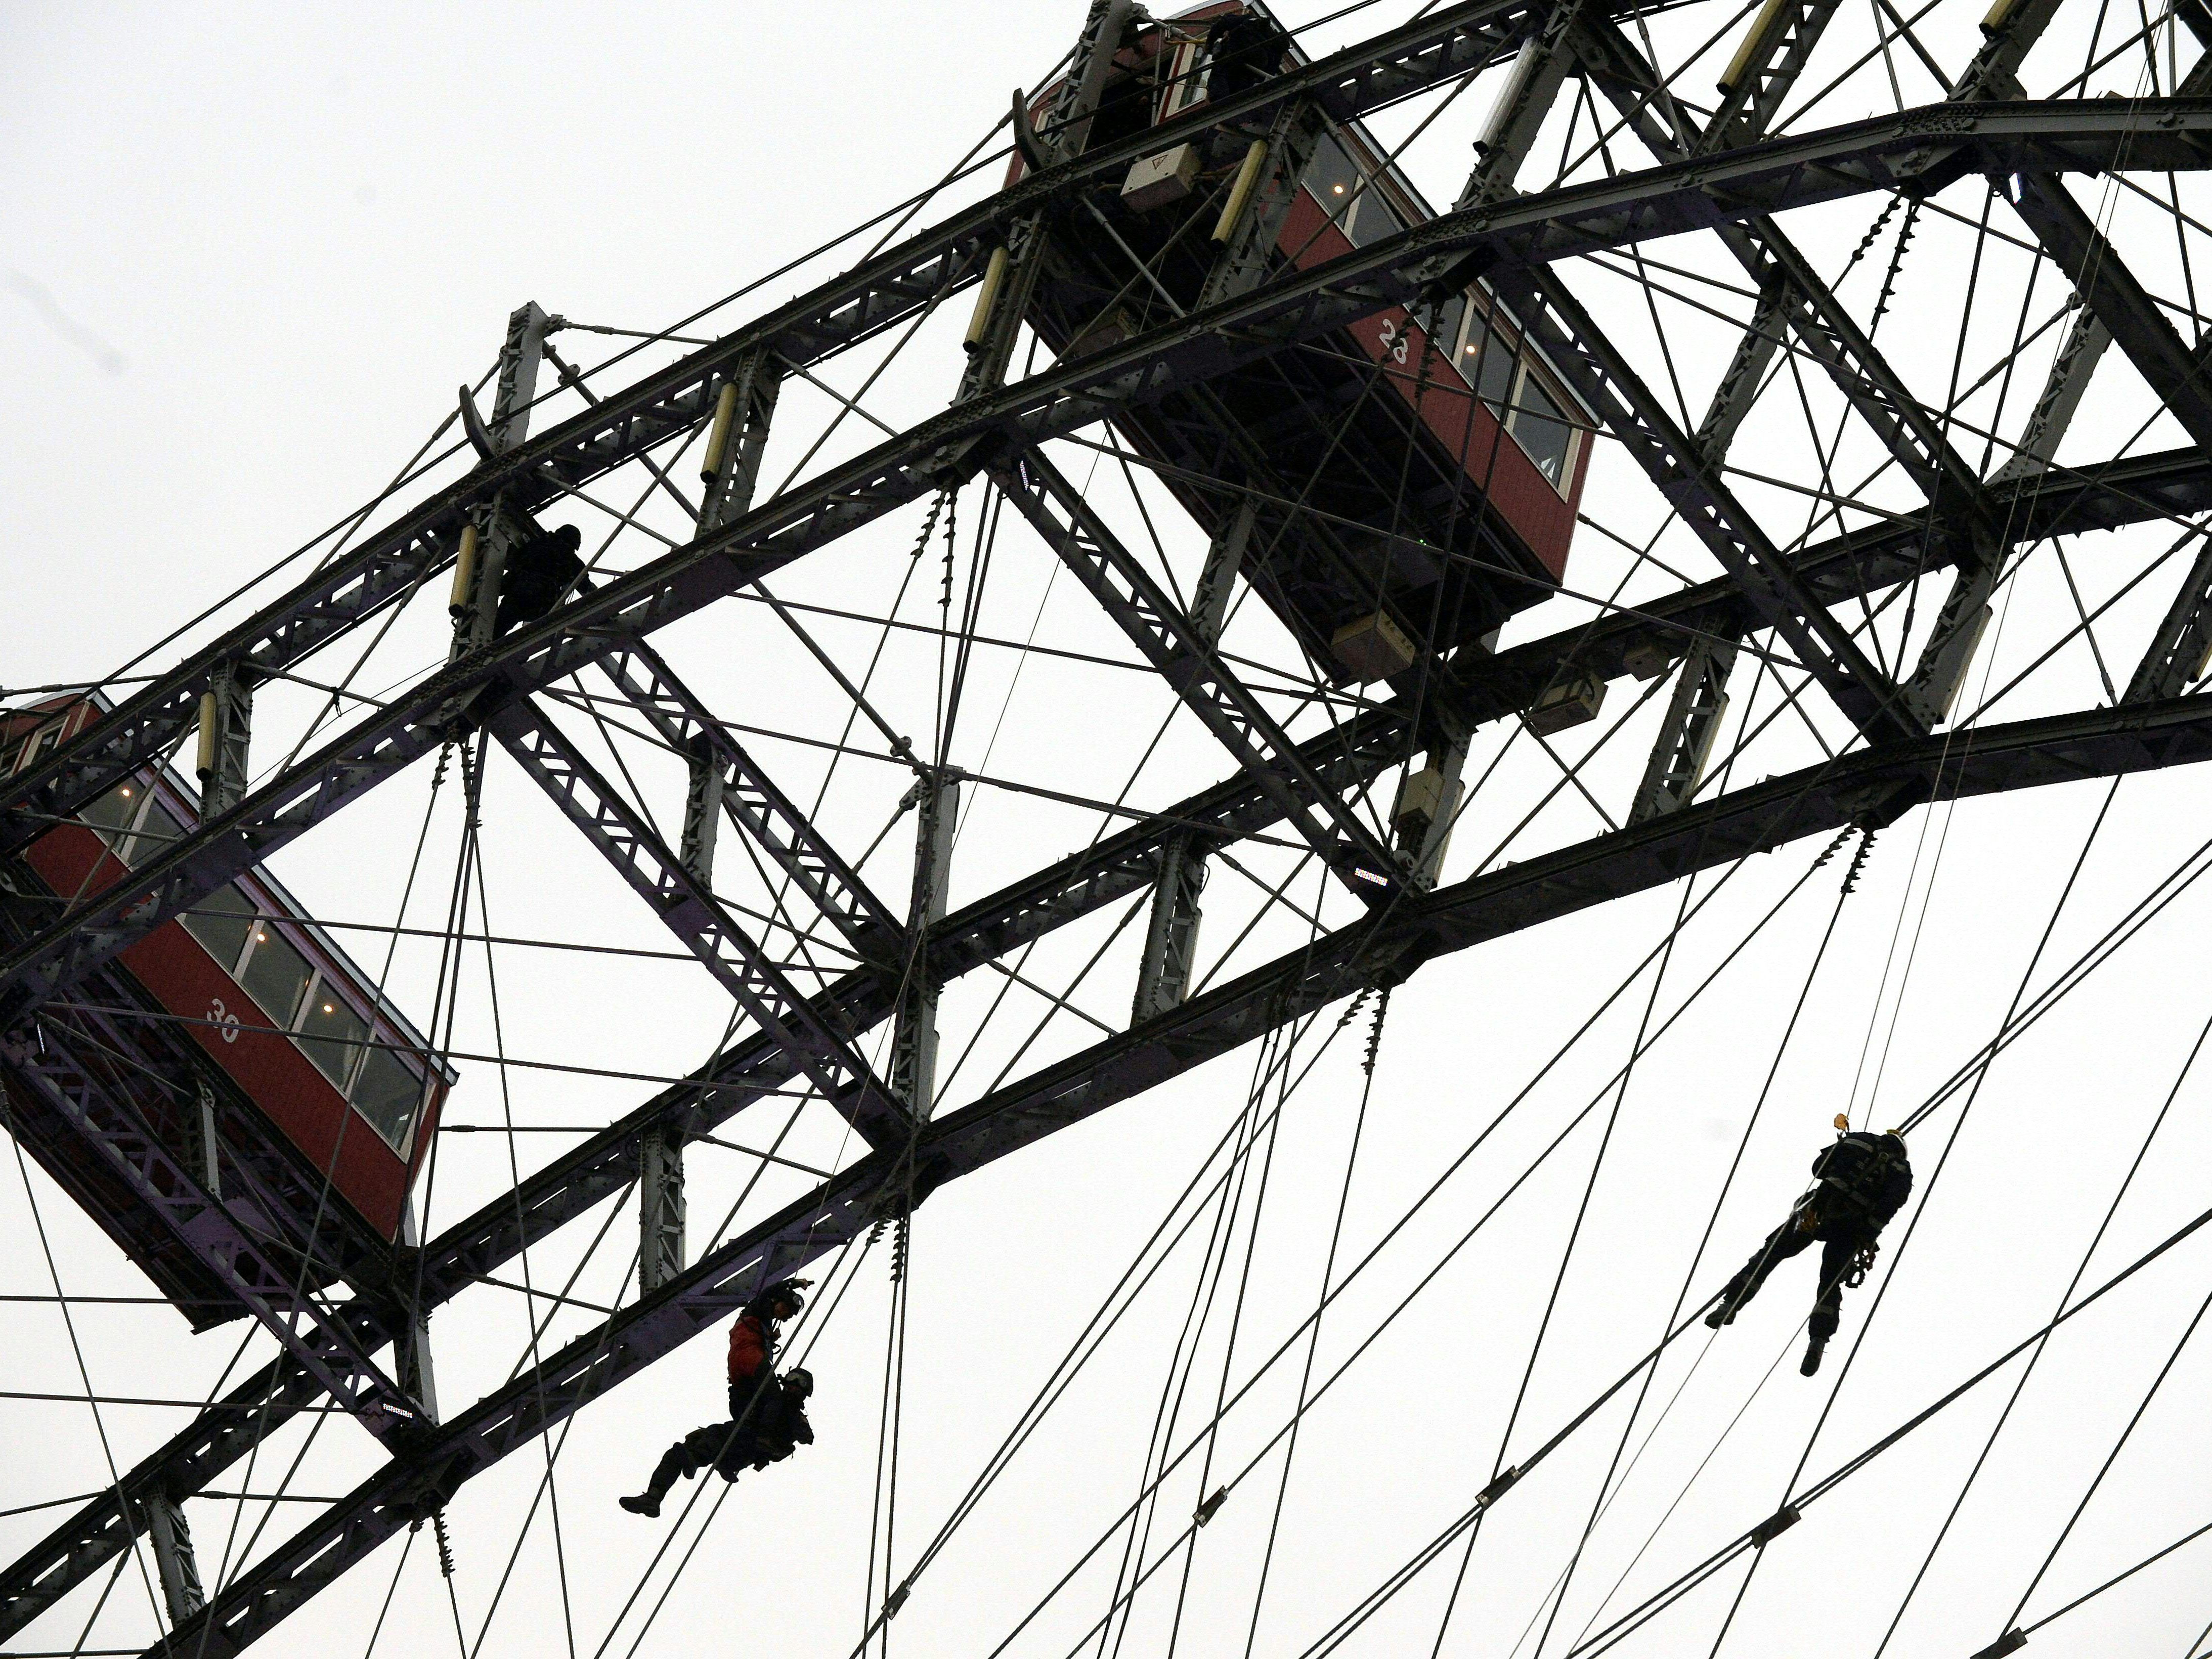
point(675, 1464)
point(1811, 1361)
point(1731, 1300)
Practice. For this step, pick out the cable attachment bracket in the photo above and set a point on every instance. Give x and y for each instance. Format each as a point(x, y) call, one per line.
point(1774, 1526)
point(1211, 1508)
point(1505, 1481)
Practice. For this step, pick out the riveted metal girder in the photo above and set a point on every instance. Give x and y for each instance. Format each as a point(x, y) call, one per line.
point(1117, 579)
point(1829, 332)
point(822, 1054)
point(1680, 197)
point(770, 819)
point(1299, 305)
point(1555, 321)
point(2121, 493)
point(1048, 901)
point(2065, 749)
point(1773, 57)
point(1767, 177)
point(914, 1017)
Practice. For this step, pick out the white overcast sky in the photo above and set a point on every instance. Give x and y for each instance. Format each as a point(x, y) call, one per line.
point(246, 255)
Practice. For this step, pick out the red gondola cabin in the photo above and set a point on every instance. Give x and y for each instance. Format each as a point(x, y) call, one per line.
point(268, 996)
point(1438, 460)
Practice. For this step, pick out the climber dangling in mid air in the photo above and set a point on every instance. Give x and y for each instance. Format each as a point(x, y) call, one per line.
point(1863, 1179)
point(768, 1412)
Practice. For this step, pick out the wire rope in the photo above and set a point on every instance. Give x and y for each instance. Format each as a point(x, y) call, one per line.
point(1398, 1226)
point(1313, 1339)
point(1606, 1490)
point(1184, 1357)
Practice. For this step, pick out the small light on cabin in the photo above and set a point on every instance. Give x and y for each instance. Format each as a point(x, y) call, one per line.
point(328, 1009)
point(1337, 189)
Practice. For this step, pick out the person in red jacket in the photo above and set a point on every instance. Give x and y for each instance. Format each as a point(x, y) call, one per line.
point(767, 1413)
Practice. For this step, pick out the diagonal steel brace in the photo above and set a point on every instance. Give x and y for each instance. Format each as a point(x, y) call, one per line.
point(822, 1054)
point(1169, 641)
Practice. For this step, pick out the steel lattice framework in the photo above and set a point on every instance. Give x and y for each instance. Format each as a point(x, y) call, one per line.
point(1722, 174)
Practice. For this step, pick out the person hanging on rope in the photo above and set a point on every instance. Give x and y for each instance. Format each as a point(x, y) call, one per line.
point(768, 1412)
point(1862, 1180)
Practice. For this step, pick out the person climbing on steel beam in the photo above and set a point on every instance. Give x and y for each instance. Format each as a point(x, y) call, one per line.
point(768, 1414)
point(1243, 49)
point(1863, 1179)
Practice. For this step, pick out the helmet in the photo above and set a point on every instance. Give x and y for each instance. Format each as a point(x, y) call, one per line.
point(783, 1291)
point(798, 1381)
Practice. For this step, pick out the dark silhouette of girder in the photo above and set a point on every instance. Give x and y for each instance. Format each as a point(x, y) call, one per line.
point(1300, 305)
point(896, 285)
point(2105, 742)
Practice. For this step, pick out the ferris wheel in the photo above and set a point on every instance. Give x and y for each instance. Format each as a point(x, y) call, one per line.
point(1288, 598)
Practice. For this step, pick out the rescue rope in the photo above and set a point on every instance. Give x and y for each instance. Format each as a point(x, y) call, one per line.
point(2019, 1383)
point(1674, 1589)
point(1208, 1505)
point(1608, 1490)
point(1269, 1064)
point(1619, 1091)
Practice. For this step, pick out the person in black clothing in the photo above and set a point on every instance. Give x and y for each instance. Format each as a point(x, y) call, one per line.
point(1242, 50)
point(1863, 1179)
point(775, 1427)
point(538, 572)
point(768, 1414)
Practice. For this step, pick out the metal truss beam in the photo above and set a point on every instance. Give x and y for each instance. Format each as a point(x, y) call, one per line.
point(2179, 375)
point(226, 733)
point(1791, 171)
point(660, 1211)
point(2127, 492)
point(770, 819)
point(2090, 136)
point(1539, 68)
point(181, 1590)
point(1555, 320)
point(2170, 484)
point(1155, 624)
point(914, 1017)
point(1772, 56)
point(1170, 960)
point(2084, 347)
point(879, 294)
point(1830, 334)
point(818, 1050)
point(1686, 735)
point(2079, 137)
point(2102, 743)
point(54, 1057)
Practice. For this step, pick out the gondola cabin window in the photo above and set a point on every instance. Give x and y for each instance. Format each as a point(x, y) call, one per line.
point(241, 995)
point(1187, 75)
point(290, 993)
point(1519, 393)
